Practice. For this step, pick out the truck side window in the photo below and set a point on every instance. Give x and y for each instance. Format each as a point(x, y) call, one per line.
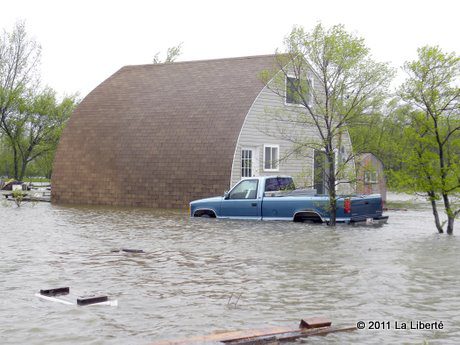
point(271, 185)
point(246, 189)
point(276, 184)
point(286, 183)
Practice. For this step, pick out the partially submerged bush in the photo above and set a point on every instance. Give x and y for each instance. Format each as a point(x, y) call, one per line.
point(18, 196)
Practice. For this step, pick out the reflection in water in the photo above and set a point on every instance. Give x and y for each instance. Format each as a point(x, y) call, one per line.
point(181, 285)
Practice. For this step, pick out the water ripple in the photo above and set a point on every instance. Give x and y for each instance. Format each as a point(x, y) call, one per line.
point(192, 271)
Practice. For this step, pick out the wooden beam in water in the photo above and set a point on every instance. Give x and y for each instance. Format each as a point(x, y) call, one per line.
point(272, 335)
point(289, 336)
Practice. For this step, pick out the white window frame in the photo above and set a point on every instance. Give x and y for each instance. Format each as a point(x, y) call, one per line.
point(251, 168)
point(310, 78)
point(277, 158)
point(371, 177)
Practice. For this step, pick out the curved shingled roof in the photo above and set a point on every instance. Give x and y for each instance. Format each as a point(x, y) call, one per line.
point(157, 135)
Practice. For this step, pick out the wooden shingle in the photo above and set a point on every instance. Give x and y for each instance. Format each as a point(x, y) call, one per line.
point(157, 135)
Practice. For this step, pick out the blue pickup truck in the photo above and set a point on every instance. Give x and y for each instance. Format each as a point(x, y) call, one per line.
point(275, 198)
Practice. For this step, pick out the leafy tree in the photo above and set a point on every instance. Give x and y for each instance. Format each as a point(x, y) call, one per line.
point(6, 158)
point(19, 58)
point(171, 54)
point(42, 120)
point(333, 81)
point(42, 166)
point(31, 120)
point(383, 134)
point(432, 160)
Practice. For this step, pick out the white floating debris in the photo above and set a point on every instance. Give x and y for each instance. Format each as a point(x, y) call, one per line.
point(62, 295)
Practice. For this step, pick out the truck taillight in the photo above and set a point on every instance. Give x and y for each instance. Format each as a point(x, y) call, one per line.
point(347, 205)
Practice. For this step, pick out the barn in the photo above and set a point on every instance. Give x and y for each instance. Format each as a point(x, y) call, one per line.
point(161, 135)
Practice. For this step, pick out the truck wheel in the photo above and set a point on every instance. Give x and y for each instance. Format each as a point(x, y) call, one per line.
point(205, 214)
point(310, 217)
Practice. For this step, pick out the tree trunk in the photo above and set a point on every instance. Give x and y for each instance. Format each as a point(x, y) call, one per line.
point(435, 212)
point(450, 224)
point(332, 206)
point(15, 163)
point(331, 187)
point(23, 169)
point(445, 195)
point(450, 214)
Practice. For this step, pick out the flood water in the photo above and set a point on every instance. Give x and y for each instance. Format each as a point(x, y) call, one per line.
point(191, 268)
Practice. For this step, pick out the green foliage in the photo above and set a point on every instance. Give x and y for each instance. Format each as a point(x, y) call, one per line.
point(331, 75)
point(171, 54)
point(418, 136)
point(33, 129)
point(6, 158)
point(31, 119)
point(433, 130)
point(432, 85)
point(418, 139)
point(36, 179)
point(41, 166)
point(383, 134)
point(18, 196)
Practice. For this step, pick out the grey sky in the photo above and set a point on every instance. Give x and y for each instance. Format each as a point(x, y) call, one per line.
point(85, 41)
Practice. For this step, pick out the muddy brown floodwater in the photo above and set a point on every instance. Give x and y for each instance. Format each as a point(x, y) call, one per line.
point(402, 272)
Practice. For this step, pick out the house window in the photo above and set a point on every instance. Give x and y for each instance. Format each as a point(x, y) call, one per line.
point(343, 155)
point(298, 91)
point(271, 157)
point(370, 177)
point(246, 163)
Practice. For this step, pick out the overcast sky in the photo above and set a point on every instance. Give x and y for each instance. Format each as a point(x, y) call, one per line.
point(86, 41)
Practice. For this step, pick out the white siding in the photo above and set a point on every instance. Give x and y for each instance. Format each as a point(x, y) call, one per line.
point(256, 132)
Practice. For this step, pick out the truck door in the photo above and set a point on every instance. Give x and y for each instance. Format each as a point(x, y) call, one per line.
point(242, 201)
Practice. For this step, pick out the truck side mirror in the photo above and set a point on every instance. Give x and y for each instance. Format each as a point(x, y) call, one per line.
point(226, 195)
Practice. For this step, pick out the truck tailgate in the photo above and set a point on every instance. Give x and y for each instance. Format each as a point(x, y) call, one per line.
point(368, 206)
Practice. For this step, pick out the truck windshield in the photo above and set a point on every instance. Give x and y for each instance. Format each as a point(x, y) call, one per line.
point(276, 184)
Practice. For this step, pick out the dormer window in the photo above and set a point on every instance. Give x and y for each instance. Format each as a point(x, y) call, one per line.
point(298, 91)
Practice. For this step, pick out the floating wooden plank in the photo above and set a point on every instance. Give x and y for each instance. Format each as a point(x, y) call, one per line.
point(315, 322)
point(127, 250)
point(225, 336)
point(91, 300)
point(273, 335)
point(55, 292)
point(62, 295)
point(136, 251)
point(289, 336)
